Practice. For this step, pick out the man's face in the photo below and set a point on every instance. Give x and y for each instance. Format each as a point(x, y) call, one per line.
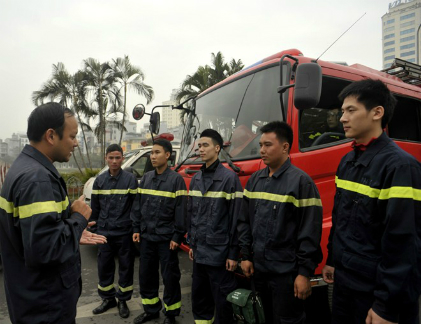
point(114, 160)
point(357, 120)
point(159, 157)
point(272, 151)
point(332, 118)
point(207, 149)
point(63, 148)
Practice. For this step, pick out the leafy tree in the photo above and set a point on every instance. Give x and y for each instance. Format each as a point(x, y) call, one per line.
point(130, 77)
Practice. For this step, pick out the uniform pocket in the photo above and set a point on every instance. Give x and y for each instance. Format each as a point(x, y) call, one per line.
point(360, 264)
point(280, 255)
point(70, 276)
point(217, 239)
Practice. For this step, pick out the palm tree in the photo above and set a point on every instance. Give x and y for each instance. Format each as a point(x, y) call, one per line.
point(106, 95)
point(130, 77)
point(70, 91)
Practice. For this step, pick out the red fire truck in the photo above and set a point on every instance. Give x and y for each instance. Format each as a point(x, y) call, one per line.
point(291, 87)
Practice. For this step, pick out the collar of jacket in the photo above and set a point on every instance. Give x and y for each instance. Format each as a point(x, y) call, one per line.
point(211, 168)
point(41, 158)
point(115, 177)
point(218, 172)
point(278, 173)
point(163, 176)
point(371, 151)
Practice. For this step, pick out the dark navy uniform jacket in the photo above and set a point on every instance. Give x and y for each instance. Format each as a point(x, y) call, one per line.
point(280, 224)
point(375, 240)
point(39, 239)
point(112, 200)
point(212, 216)
point(161, 213)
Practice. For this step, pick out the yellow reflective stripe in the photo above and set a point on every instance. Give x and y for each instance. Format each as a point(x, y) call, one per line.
point(42, 207)
point(129, 288)
point(204, 321)
point(216, 194)
point(147, 301)
point(7, 206)
point(159, 193)
point(106, 288)
point(284, 199)
point(173, 306)
point(383, 194)
point(181, 193)
point(114, 192)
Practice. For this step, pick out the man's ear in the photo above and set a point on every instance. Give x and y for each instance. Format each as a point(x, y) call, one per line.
point(285, 147)
point(49, 135)
point(378, 113)
point(167, 154)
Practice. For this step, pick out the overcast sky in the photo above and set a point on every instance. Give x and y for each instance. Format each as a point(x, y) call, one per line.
point(170, 39)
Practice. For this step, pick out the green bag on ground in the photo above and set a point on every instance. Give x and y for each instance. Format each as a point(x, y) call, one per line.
point(247, 306)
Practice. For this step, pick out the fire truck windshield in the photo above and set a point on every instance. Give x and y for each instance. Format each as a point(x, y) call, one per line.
point(236, 110)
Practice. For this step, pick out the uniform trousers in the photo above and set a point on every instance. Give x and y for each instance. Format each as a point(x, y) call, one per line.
point(151, 255)
point(351, 307)
point(123, 248)
point(277, 293)
point(210, 288)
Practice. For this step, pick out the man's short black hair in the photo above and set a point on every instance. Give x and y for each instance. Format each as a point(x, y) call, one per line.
point(166, 144)
point(214, 135)
point(50, 115)
point(114, 148)
point(282, 130)
point(371, 93)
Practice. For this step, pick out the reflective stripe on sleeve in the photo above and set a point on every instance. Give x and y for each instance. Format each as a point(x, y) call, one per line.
point(35, 208)
point(216, 194)
point(309, 202)
point(161, 193)
point(108, 288)
point(382, 194)
point(173, 306)
point(114, 192)
point(152, 301)
point(129, 288)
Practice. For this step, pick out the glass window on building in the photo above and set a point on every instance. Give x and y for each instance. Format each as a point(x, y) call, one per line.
point(408, 16)
point(390, 57)
point(389, 50)
point(412, 60)
point(411, 45)
point(406, 39)
point(389, 43)
point(407, 24)
point(388, 29)
point(408, 53)
point(407, 31)
point(387, 65)
point(389, 36)
point(390, 21)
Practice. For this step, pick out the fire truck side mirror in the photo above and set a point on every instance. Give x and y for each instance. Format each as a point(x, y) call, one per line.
point(138, 112)
point(308, 85)
point(154, 122)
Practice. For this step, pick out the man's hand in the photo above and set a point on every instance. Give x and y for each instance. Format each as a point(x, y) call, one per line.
point(247, 267)
point(231, 265)
point(173, 245)
point(302, 287)
point(79, 206)
point(373, 318)
point(136, 237)
point(191, 254)
point(328, 273)
point(89, 238)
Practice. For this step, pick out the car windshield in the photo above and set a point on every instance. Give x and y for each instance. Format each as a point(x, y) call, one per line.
point(237, 111)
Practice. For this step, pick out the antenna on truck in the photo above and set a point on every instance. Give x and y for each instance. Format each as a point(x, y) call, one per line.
point(339, 37)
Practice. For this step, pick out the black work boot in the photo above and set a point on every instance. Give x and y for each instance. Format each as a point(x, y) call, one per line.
point(123, 310)
point(169, 320)
point(145, 317)
point(106, 305)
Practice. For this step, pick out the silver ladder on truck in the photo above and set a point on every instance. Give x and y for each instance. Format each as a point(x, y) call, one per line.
point(406, 71)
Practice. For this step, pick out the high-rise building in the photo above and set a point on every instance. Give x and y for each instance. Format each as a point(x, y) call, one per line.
point(400, 31)
point(171, 116)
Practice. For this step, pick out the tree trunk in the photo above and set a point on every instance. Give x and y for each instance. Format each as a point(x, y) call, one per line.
point(77, 163)
point(124, 114)
point(86, 144)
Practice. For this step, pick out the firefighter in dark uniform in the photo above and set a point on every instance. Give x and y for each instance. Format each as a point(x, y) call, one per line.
point(159, 225)
point(40, 229)
point(374, 244)
point(280, 228)
point(214, 203)
point(113, 194)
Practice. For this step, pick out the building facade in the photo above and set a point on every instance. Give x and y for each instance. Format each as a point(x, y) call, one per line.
point(400, 32)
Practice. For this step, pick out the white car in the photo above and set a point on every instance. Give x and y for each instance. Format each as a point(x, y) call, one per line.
point(138, 164)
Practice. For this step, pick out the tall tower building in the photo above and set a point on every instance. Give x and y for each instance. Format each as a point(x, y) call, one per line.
point(400, 31)
point(171, 116)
